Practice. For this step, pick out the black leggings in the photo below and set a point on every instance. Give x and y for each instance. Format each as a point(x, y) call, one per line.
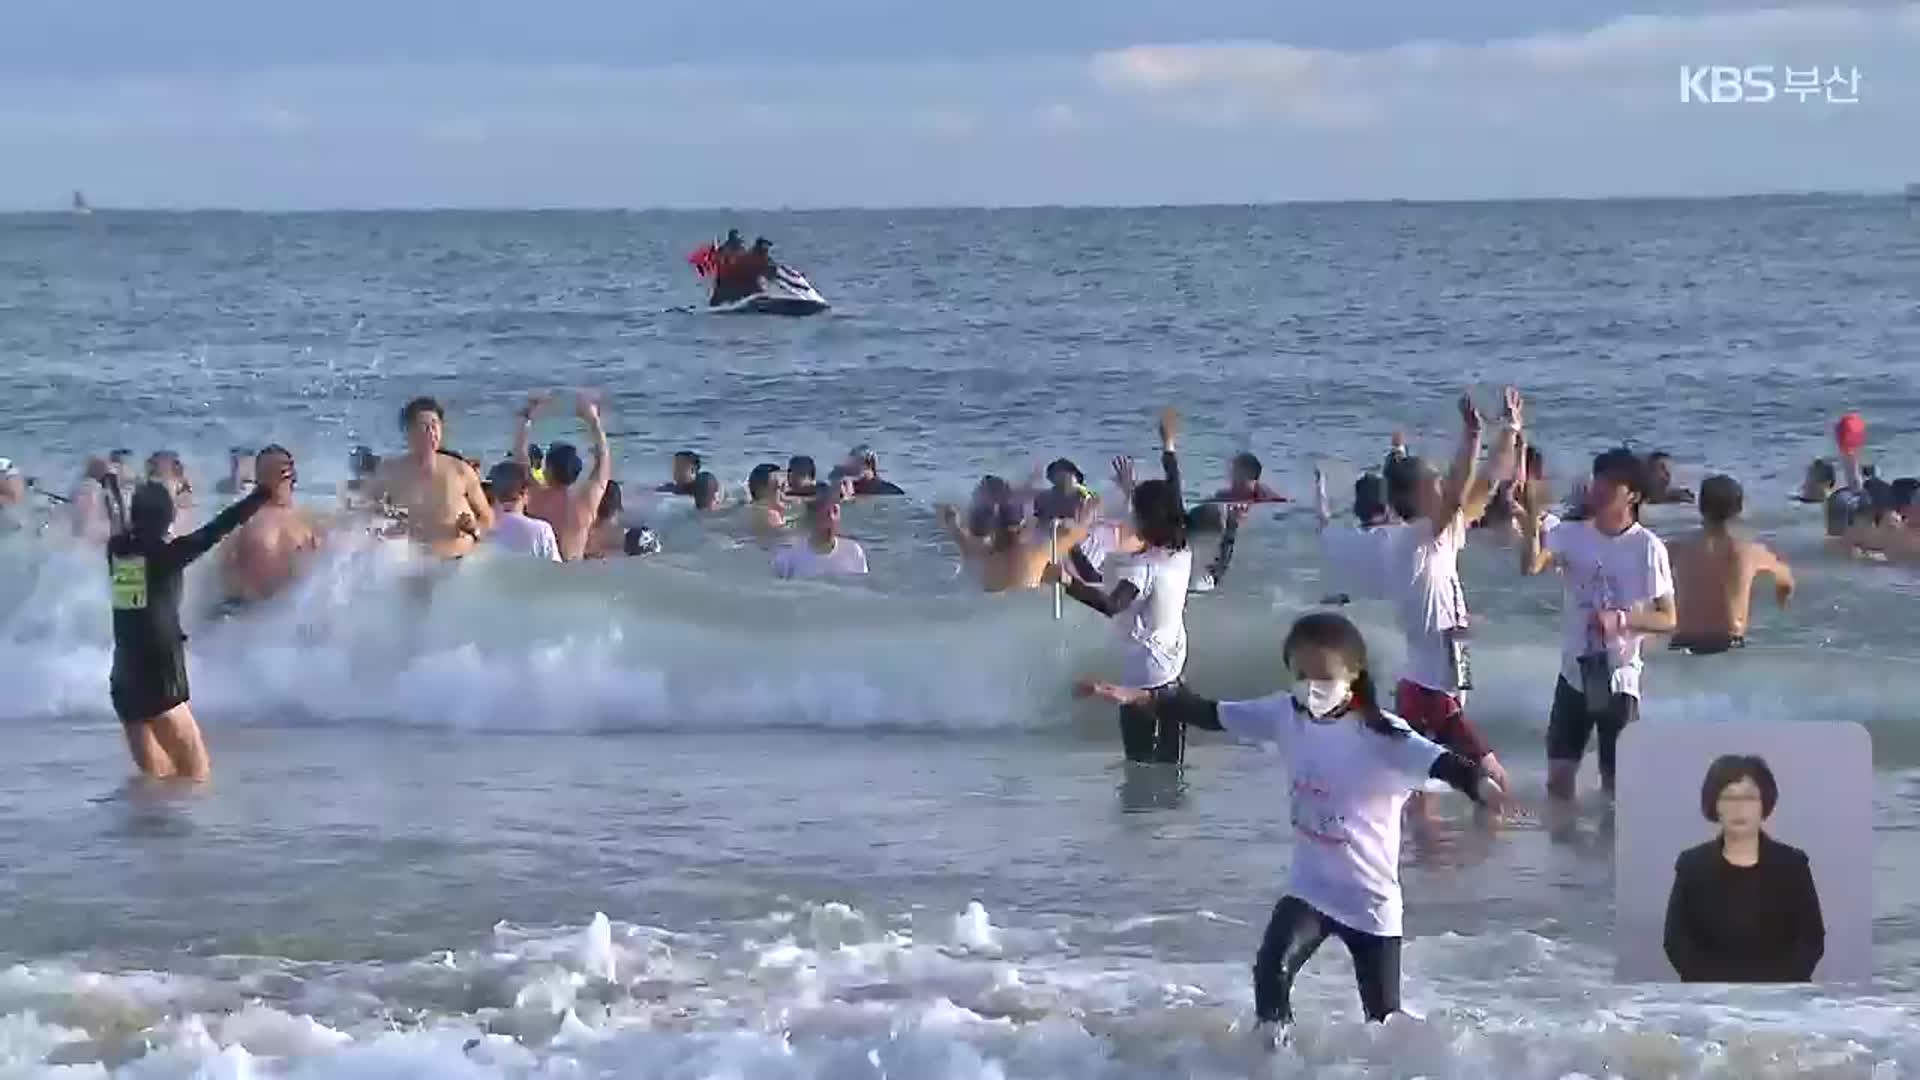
point(1294, 934)
point(1156, 730)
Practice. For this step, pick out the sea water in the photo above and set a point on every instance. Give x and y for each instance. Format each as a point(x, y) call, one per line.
point(668, 817)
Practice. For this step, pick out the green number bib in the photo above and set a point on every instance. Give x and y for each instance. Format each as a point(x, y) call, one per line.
point(130, 583)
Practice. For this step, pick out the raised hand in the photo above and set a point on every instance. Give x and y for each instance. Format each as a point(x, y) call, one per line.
point(1169, 426)
point(536, 401)
point(1470, 414)
point(586, 405)
point(1123, 473)
point(1514, 407)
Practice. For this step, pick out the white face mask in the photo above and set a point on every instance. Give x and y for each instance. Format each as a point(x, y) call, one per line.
point(1321, 697)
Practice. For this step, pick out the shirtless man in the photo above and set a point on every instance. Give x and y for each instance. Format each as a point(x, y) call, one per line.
point(1713, 572)
point(447, 511)
point(265, 553)
point(570, 509)
point(767, 486)
point(1009, 555)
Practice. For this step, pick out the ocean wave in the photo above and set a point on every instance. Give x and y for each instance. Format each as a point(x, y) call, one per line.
point(823, 990)
point(710, 642)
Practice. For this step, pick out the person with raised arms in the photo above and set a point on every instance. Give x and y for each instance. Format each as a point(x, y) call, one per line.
point(566, 504)
point(147, 567)
point(1149, 602)
point(1422, 563)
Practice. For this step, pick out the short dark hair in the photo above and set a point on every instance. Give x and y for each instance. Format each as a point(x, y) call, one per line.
point(1247, 463)
point(1403, 478)
point(1659, 455)
point(689, 457)
point(1906, 491)
point(508, 481)
point(1730, 769)
point(801, 465)
point(417, 406)
point(706, 491)
point(761, 478)
point(1721, 499)
point(563, 464)
point(1823, 471)
point(1063, 465)
point(1158, 516)
point(1370, 498)
point(1624, 467)
point(535, 455)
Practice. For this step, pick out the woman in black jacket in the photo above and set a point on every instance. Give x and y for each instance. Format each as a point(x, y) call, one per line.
point(1743, 907)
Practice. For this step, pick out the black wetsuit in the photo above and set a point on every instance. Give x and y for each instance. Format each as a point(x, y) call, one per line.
point(873, 485)
point(149, 647)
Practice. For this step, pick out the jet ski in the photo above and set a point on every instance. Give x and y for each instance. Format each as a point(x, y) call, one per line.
point(786, 291)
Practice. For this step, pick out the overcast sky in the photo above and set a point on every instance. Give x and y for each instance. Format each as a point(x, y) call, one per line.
point(646, 103)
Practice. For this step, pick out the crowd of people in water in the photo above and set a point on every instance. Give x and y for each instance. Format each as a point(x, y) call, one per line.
point(1357, 757)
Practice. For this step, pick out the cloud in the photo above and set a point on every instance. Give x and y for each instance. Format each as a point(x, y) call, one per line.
point(1630, 60)
point(1590, 111)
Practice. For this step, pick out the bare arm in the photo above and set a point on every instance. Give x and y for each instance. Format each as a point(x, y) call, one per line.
point(476, 498)
point(1774, 566)
point(523, 431)
point(971, 546)
point(1658, 617)
point(587, 499)
point(1534, 557)
point(1461, 474)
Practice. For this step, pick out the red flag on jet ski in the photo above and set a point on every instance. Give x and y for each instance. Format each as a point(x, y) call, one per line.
point(705, 260)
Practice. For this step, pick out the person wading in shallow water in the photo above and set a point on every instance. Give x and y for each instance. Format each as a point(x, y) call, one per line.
point(147, 566)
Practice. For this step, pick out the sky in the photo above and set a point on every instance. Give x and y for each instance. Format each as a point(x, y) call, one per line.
point(833, 103)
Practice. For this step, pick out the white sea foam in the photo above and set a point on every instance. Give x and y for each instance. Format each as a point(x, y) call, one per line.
point(835, 995)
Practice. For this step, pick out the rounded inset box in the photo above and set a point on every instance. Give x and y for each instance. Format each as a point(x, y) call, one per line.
point(1743, 853)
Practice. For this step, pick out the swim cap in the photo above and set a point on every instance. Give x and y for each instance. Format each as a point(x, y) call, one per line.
point(1850, 433)
point(151, 511)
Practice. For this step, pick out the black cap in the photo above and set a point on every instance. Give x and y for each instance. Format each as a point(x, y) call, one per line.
point(1062, 463)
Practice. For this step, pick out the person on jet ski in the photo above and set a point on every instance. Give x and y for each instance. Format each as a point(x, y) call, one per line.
point(740, 277)
point(730, 248)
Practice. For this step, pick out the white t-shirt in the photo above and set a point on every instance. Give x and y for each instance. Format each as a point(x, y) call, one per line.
point(798, 559)
point(1349, 786)
point(1423, 570)
point(523, 535)
point(1356, 558)
point(1603, 572)
point(1156, 622)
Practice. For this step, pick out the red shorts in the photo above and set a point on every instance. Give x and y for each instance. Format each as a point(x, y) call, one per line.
point(1439, 716)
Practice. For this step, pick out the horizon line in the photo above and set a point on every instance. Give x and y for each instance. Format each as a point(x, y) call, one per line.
point(494, 208)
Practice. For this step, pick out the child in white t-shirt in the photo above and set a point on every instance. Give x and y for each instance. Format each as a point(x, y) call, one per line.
point(1352, 766)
